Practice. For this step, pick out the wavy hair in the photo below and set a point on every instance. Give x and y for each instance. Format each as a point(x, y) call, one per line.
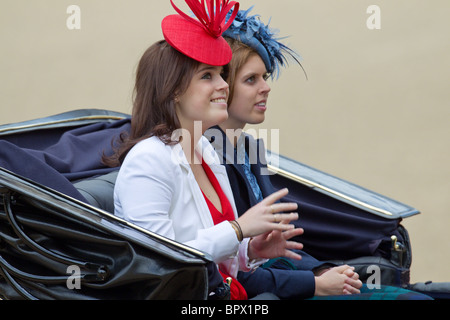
point(162, 74)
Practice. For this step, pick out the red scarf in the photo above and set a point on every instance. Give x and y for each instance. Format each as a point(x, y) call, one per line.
point(237, 290)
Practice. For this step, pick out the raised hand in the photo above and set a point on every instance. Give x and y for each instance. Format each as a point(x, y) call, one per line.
point(266, 216)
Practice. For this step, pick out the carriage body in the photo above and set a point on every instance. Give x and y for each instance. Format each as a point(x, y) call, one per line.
point(58, 230)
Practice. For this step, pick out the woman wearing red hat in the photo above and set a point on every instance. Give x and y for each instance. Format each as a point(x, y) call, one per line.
point(171, 181)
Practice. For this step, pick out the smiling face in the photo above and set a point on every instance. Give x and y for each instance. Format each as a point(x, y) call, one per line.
point(205, 99)
point(250, 95)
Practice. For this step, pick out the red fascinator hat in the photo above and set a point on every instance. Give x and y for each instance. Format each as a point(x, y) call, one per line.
point(201, 39)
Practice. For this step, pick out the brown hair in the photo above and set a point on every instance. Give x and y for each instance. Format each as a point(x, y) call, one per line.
point(241, 54)
point(162, 74)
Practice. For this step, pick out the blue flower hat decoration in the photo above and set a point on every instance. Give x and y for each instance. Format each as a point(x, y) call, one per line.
point(250, 30)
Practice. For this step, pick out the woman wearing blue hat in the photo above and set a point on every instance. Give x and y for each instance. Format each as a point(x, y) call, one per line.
point(258, 55)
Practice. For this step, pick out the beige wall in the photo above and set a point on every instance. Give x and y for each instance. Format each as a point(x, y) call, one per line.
point(374, 111)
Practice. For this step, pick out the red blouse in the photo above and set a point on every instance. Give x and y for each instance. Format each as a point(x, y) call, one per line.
point(237, 290)
point(227, 211)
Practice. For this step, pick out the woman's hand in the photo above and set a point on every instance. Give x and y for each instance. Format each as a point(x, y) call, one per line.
point(274, 244)
point(338, 280)
point(265, 217)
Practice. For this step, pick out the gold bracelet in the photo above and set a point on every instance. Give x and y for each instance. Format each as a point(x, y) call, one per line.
point(237, 229)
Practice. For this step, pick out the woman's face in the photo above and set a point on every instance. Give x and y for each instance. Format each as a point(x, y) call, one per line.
point(251, 92)
point(205, 99)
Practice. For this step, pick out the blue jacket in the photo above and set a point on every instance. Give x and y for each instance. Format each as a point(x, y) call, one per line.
point(334, 230)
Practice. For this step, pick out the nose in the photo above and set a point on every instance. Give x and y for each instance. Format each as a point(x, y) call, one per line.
point(222, 85)
point(265, 88)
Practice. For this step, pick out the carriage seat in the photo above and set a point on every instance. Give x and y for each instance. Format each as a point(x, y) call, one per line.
point(99, 190)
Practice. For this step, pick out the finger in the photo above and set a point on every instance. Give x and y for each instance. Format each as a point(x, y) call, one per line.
point(277, 195)
point(292, 233)
point(284, 218)
point(299, 229)
point(292, 255)
point(350, 289)
point(351, 273)
point(347, 291)
point(267, 235)
point(341, 268)
point(282, 207)
point(355, 276)
point(283, 226)
point(294, 245)
point(353, 283)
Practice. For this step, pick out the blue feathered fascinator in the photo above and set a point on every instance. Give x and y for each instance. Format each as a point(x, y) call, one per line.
point(251, 31)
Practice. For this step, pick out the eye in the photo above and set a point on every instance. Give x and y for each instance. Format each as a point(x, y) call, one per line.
point(266, 76)
point(250, 79)
point(207, 76)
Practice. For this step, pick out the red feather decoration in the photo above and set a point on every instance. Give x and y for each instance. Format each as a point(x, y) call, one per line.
point(211, 14)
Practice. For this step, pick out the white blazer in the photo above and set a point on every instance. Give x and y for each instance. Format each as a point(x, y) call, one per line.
point(156, 189)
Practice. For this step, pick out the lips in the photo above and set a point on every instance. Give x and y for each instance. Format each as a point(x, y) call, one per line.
point(261, 105)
